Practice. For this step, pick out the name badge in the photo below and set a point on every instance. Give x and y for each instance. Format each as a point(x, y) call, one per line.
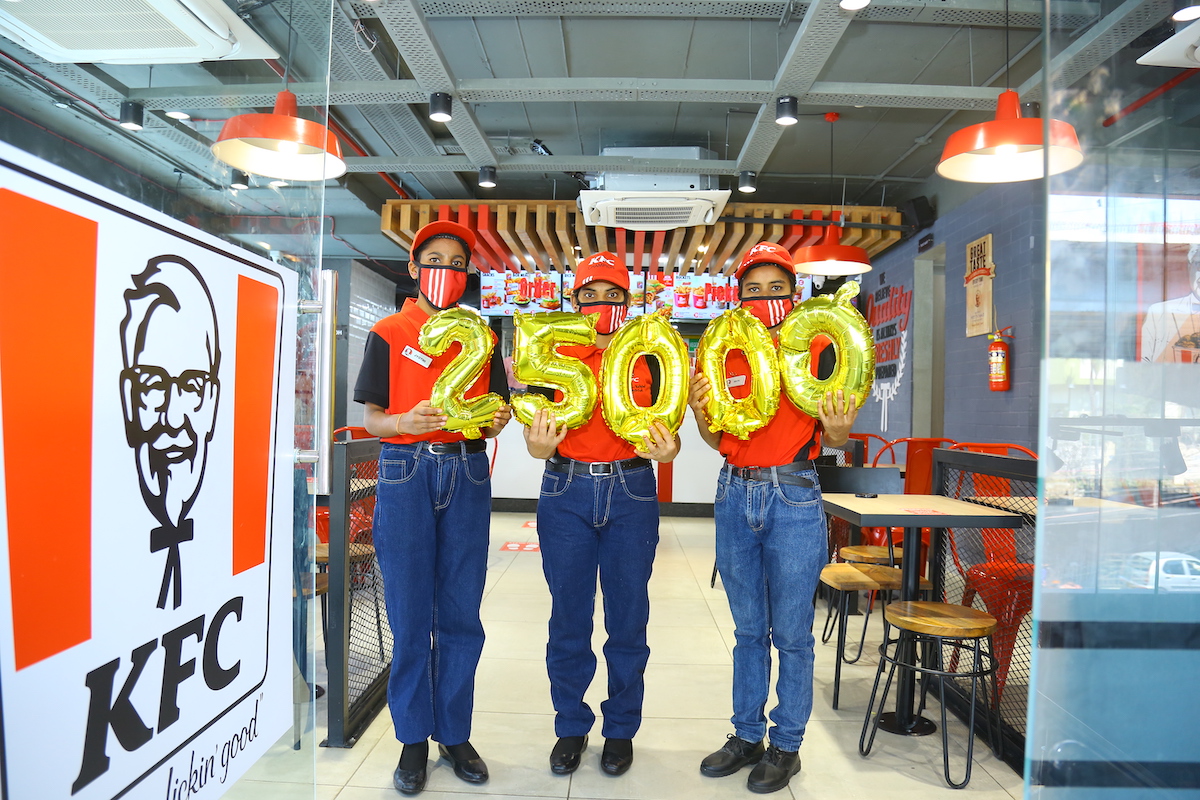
point(736, 380)
point(413, 354)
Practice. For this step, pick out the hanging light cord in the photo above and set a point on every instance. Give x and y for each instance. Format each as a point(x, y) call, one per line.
point(1007, 58)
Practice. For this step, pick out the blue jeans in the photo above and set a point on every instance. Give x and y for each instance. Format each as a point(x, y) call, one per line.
point(432, 514)
point(771, 546)
point(606, 524)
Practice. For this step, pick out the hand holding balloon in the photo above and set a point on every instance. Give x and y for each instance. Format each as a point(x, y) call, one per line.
point(542, 435)
point(854, 346)
point(661, 444)
point(837, 417)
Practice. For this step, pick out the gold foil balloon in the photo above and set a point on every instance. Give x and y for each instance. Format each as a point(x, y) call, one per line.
point(650, 334)
point(537, 362)
point(738, 329)
point(854, 346)
point(437, 334)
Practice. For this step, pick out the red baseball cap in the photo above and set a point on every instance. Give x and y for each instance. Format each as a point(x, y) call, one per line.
point(765, 253)
point(602, 266)
point(442, 227)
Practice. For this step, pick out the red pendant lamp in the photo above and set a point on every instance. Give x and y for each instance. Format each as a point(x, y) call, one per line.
point(280, 144)
point(831, 258)
point(1010, 148)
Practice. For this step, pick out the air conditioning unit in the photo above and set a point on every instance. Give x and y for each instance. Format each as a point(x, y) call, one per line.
point(652, 211)
point(131, 31)
point(1178, 51)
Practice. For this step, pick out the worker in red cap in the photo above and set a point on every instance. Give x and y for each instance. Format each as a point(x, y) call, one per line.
point(432, 516)
point(598, 514)
point(771, 541)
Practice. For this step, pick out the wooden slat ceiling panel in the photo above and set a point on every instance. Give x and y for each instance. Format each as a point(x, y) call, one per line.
point(552, 234)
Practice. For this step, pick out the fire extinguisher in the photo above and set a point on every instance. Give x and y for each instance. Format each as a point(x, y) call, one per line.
point(998, 380)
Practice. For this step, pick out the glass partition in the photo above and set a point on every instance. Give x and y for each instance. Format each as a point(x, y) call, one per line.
point(1117, 597)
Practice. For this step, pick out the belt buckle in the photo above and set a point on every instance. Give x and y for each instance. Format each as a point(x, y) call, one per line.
point(605, 468)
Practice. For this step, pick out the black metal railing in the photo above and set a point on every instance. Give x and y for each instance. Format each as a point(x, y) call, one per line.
point(991, 569)
point(358, 645)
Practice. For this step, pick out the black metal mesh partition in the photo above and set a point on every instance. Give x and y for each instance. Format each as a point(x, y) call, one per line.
point(358, 648)
point(992, 569)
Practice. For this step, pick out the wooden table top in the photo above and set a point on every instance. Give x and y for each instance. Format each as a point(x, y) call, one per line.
point(916, 510)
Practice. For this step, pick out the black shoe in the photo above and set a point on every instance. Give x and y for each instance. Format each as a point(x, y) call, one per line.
point(468, 766)
point(617, 756)
point(774, 770)
point(409, 777)
point(736, 754)
point(564, 758)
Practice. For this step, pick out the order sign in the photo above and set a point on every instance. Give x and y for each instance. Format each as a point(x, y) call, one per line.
point(145, 496)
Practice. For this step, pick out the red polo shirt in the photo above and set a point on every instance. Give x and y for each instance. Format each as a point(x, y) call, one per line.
point(594, 441)
point(396, 374)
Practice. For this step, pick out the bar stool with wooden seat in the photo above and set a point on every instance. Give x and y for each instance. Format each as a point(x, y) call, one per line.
point(845, 579)
point(935, 626)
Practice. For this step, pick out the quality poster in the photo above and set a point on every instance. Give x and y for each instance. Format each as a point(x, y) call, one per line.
point(147, 372)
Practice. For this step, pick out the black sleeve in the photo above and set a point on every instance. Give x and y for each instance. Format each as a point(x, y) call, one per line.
point(655, 378)
point(373, 385)
point(497, 377)
point(825, 363)
point(544, 391)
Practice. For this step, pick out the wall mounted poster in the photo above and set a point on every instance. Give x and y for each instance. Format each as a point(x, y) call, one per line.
point(147, 376)
point(978, 280)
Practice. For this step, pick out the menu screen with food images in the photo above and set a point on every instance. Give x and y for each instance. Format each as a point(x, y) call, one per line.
point(502, 294)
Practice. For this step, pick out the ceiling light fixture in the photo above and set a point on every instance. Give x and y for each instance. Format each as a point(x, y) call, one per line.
point(854, 5)
point(786, 109)
point(830, 257)
point(277, 184)
point(281, 144)
point(239, 180)
point(440, 105)
point(1010, 147)
point(1186, 11)
point(178, 115)
point(747, 182)
point(487, 177)
point(132, 115)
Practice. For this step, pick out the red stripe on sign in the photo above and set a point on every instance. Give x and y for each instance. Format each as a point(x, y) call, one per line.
point(254, 396)
point(47, 459)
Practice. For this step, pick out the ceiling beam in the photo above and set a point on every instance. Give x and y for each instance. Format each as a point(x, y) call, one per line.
point(579, 90)
point(532, 163)
point(406, 25)
point(1098, 44)
point(820, 31)
point(976, 13)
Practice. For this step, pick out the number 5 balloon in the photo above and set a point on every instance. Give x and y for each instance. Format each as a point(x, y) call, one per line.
point(651, 334)
point(738, 329)
point(854, 346)
point(437, 334)
point(535, 362)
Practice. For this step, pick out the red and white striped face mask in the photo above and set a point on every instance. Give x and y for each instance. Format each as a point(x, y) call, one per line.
point(442, 285)
point(770, 311)
point(611, 315)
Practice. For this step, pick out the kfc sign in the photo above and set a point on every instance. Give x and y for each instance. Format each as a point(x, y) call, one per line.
point(146, 380)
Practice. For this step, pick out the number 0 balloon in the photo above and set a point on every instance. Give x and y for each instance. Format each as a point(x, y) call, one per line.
point(854, 347)
point(651, 334)
point(737, 329)
point(535, 362)
point(437, 334)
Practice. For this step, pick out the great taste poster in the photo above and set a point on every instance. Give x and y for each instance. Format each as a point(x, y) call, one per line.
point(146, 380)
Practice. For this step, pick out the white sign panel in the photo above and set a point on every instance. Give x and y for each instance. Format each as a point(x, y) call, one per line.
point(147, 372)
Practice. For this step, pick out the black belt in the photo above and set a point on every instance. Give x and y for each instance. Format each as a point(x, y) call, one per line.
point(782, 474)
point(558, 463)
point(464, 447)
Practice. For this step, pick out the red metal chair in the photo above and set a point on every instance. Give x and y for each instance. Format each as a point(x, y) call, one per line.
point(1003, 583)
point(918, 461)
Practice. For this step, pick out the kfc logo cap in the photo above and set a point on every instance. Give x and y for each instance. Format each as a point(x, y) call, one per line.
point(765, 253)
point(443, 228)
point(602, 266)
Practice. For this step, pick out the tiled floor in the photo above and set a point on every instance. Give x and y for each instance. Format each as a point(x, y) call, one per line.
point(687, 708)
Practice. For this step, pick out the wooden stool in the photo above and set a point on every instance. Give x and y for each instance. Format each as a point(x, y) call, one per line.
point(843, 579)
point(871, 554)
point(934, 626)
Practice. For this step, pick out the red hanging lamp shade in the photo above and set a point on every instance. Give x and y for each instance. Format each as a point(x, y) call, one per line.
point(1009, 148)
point(280, 144)
point(831, 258)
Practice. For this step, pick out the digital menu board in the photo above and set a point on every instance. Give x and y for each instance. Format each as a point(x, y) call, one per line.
point(501, 294)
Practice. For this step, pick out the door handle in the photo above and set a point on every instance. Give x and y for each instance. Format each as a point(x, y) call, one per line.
point(321, 456)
